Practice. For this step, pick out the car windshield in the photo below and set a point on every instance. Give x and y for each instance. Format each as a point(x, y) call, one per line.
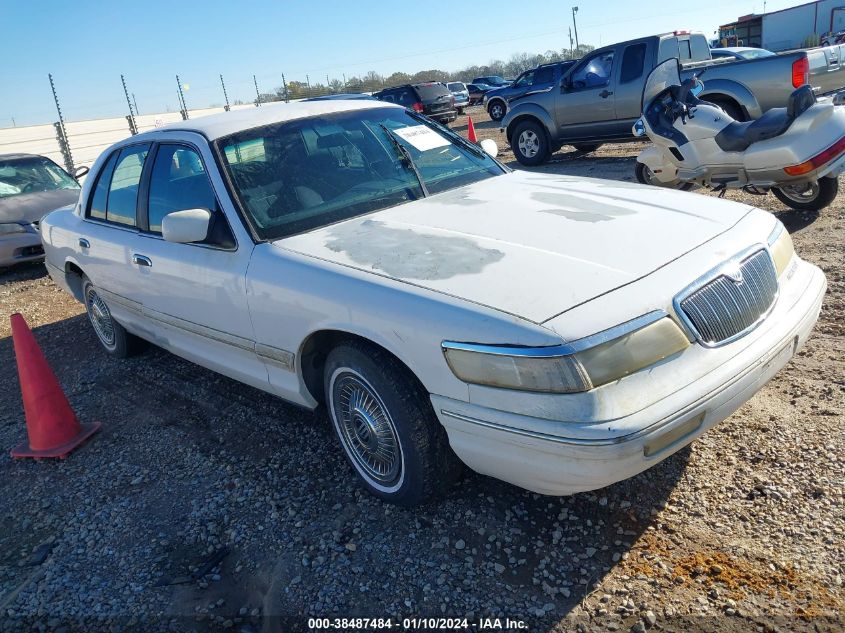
point(32, 174)
point(456, 87)
point(300, 175)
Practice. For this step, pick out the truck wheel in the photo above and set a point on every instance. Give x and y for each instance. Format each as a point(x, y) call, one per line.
point(731, 108)
point(646, 177)
point(497, 110)
point(530, 144)
point(386, 425)
point(813, 196)
point(586, 147)
point(112, 336)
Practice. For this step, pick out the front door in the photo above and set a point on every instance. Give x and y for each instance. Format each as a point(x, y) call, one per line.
point(586, 103)
point(194, 295)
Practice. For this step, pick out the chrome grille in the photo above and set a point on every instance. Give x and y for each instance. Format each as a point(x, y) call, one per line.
point(733, 302)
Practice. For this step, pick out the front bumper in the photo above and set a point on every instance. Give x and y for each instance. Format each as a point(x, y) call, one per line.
point(20, 247)
point(537, 454)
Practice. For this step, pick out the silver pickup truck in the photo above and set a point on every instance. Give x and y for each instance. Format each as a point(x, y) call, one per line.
point(598, 99)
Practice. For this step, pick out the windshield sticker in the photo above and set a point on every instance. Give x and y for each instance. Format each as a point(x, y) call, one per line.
point(421, 137)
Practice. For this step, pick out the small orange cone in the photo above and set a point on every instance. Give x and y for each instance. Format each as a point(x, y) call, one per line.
point(51, 424)
point(471, 131)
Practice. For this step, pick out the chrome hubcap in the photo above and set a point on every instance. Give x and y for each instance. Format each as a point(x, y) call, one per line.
point(366, 429)
point(806, 192)
point(100, 317)
point(529, 143)
point(496, 111)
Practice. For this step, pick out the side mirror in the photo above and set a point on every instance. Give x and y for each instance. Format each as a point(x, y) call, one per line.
point(489, 146)
point(639, 128)
point(183, 227)
point(79, 172)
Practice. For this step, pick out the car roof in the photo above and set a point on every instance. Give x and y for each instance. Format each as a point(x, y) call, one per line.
point(215, 126)
point(19, 155)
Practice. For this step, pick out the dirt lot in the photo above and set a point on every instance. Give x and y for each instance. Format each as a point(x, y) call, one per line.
point(204, 504)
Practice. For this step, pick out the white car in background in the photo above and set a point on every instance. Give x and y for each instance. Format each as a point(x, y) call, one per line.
point(558, 333)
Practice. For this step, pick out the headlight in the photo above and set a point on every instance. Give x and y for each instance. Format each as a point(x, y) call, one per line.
point(8, 229)
point(781, 248)
point(569, 368)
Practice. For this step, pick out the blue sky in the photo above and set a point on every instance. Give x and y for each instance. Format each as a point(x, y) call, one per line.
point(87, 44)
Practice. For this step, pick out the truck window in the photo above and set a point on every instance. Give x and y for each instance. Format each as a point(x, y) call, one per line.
point(684, 51)
point(544, 75)
point(700, 48)
point(633, 61)
point(593, 72)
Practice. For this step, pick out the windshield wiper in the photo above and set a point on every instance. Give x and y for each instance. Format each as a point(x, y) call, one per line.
point(406, 157)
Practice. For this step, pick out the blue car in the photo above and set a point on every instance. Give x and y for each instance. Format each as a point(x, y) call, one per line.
point(531, 81)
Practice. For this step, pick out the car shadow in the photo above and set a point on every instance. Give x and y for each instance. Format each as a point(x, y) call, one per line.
point(23, 272)
point(253, 461)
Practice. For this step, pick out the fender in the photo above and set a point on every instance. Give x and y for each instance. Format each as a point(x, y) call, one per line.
point(653, 158)
point(520, 111)
point(735, 91)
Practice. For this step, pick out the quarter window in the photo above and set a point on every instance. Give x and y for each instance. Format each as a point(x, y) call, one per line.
point(123, 190)
point(101, 191)
point(633, 62)
point(178, 182)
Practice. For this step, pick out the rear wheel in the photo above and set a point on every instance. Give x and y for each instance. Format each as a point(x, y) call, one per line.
point(586, 147)
point(530, 144)
point(386, 425)
point(497, 110)
point(646, 177)
point(113, 337)
point(812, 196)
point(731, 108)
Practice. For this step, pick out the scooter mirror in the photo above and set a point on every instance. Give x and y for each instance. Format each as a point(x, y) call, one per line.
point(697, 89)
point(639, 128)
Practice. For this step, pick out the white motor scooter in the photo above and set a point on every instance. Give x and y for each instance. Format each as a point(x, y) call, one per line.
point(797, 152)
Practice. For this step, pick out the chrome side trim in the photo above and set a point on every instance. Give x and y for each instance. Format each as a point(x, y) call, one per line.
point(564, 349)
point(120, 300)
point(280, 357)
point(727, 268)
point(201, 330)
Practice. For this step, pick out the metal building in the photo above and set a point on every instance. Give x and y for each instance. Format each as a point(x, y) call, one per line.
point(796, 27)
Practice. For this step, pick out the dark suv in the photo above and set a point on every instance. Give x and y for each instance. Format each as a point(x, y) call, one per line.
point(541, 78)
point(432, 99)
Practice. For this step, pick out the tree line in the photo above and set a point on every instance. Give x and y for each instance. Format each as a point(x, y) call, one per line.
point(373, 81)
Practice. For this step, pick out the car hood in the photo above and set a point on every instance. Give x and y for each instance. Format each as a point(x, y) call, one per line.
point(31, 207)
point(532, 245)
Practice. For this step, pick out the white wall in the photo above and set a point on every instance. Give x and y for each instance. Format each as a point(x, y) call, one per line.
point(783, 30)
point(87, 139)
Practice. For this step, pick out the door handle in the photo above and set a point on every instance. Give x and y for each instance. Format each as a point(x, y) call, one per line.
point(141, 260)
point(83, 243)
point(604, 94)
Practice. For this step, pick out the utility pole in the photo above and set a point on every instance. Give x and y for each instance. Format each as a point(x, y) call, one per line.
point(571, 50)
point(328, 83)
point(182, 104)
point(133, 126)
point(225, 96)
point(285, 88)
point(308, 81)
point(344, 82)
point(257, 94)
point(574, 24)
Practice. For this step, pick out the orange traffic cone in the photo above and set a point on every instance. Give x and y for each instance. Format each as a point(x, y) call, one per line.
point(471, 131)
point(51, 424)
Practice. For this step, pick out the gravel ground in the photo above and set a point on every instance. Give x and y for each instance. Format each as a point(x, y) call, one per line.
point(204, 504)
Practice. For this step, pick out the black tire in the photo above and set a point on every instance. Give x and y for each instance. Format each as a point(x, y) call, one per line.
point(535, 137)
point(586, 147)
point(642, 172)
point(731, 108)
point(116, 341)
point(386, 426)
point(828, 188)
point(497, 109)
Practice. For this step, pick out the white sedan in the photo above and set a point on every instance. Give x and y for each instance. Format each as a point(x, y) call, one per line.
point(558, 333)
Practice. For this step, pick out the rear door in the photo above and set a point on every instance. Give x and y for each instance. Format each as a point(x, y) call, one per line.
point(586, 105)
point(629, 84)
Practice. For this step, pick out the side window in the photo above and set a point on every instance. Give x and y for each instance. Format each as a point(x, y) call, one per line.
point(123, 190)
point(633, 62)
point(544, 75)
point(593, 72)
point(97, 208)
point(407, 98)
point(525, 79)
point(178, 182)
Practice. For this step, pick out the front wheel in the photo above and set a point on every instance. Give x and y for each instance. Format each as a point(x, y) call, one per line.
point(811, 196)
point(497, 110)
point(646, 177)
point(386, 426)
point(530, 144)
point(112, 336)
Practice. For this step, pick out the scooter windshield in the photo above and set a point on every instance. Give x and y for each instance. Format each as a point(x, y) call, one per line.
point(664, 75)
